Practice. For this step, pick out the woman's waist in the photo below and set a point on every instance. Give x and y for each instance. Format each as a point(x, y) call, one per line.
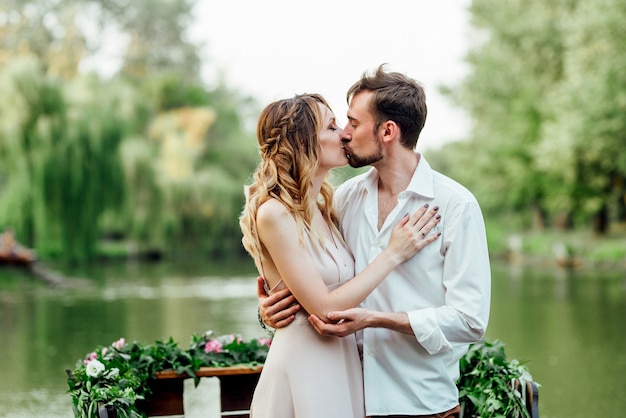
point(302, 316)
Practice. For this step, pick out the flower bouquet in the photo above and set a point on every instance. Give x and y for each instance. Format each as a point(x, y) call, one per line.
point(117, 377)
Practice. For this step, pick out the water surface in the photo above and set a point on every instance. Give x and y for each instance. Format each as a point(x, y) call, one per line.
point(567, 327)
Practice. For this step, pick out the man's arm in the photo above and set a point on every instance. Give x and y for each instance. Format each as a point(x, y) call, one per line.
point(278, 310)
point(346, 322)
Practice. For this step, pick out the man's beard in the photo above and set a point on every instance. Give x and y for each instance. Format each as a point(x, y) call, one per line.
point(357, 161)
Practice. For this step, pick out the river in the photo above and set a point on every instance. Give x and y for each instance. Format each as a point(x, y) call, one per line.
point(568, 327)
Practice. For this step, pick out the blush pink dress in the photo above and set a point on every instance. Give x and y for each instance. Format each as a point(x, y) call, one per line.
point(307, 375)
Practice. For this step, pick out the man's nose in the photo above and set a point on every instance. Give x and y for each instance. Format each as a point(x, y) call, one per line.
point(345, 136)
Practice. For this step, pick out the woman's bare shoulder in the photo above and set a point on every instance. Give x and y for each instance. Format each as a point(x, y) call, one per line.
point(272, 212)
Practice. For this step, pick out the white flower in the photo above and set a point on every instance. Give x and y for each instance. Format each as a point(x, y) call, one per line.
point(94, 368)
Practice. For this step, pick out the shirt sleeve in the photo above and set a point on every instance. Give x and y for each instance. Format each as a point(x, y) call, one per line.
point(466, 280)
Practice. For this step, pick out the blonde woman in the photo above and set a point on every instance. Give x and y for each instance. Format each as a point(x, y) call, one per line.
point(290, 230)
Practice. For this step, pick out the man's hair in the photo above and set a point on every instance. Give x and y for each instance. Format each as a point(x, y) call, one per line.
point(397, 98)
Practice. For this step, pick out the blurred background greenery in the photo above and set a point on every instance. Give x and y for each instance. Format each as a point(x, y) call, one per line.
point(547, 97)
point(150, 160)
point(145, 162)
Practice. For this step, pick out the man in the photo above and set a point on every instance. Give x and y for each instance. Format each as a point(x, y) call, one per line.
point(418, 323)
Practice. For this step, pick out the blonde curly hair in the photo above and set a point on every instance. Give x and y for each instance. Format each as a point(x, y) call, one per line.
point(287, 133)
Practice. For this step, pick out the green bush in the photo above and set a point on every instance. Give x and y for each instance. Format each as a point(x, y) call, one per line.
point(487, 386)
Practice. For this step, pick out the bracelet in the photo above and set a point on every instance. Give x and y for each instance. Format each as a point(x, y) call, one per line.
point(265, 327)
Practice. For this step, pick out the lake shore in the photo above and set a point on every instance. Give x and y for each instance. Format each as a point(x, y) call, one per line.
point(562, 249)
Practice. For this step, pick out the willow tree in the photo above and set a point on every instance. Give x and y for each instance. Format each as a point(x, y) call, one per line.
point(81, 132)
point(194, 140)
point(60, 161)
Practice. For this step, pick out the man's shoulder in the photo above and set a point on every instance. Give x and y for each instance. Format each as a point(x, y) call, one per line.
point(451, 187)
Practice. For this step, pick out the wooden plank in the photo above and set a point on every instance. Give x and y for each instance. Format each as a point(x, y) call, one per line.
point(236, 391)
point(166, 398)
point(212, 371)
point(237, 384)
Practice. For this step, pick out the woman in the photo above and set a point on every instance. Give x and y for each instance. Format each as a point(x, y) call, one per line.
point(289, 228)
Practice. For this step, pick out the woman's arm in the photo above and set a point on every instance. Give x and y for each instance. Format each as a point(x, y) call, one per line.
point(279, 235)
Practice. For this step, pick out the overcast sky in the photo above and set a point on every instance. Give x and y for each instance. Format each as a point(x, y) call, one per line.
point(276, 48)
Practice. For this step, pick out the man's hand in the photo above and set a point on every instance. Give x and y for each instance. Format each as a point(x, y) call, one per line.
point(278, 310)
point(341, 323)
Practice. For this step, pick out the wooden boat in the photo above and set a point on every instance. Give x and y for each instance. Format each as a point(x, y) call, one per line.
point(237, 385)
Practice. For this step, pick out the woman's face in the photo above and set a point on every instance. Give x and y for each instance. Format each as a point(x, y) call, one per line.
point(332, 153)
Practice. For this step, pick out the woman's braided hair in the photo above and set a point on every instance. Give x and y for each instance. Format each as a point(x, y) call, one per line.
point(287, 133)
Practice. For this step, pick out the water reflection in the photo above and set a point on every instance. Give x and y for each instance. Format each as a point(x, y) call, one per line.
point(45, 331)
point(568, 327)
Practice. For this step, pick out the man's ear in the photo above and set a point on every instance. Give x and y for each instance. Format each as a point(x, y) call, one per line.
point(390, 131)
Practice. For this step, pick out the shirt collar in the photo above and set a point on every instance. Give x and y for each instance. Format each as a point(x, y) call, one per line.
point(421, 182)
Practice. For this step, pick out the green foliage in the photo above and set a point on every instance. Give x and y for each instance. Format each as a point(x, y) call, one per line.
point(62, 33)
point(586, 134)
point(547, 94)
point(227, 350)
point(76, 160)
point(170, 90)
point(118, 376)
point(77, 166)
point(607, 251)
point(197, 211)
point(486, 385)
point(144, 220)
point(61, 160)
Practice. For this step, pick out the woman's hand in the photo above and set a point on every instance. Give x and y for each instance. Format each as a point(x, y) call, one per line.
point(412, 233)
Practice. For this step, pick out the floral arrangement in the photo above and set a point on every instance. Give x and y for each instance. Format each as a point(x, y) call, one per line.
point(490, 385)
point(116, 377)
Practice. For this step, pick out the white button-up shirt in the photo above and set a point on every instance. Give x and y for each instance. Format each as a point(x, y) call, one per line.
point(445, 289)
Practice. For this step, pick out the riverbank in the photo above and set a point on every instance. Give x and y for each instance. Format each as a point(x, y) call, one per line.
point(578, 249)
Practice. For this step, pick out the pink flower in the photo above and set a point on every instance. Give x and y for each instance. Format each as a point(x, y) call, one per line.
point(119, 343)
point(265, 341)
point(92, 356)
point(213, 346)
